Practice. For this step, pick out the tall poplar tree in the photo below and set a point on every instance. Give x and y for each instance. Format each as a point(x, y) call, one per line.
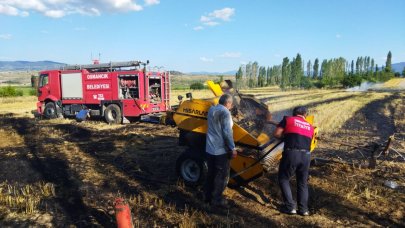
point(268, 76)
point(352, 68)
point(309, 68)
point(388, 66)
point(316, 68)
point(372, 66)
point(238, 77)
point(285, 77)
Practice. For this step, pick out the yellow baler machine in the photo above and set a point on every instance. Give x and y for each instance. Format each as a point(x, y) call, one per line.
point(191, 119)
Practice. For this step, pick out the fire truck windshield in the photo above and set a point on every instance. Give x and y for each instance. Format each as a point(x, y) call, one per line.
point(43, 80)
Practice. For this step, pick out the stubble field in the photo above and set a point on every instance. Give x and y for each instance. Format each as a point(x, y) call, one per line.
point(60, 172)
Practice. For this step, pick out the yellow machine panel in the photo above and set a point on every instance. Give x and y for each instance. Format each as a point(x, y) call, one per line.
point(314, 141)
point(241, 163)
point(215, 88)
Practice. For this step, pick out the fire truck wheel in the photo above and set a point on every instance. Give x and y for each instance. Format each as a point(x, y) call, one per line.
point(112, 114)
point(192, 167)
point(50, 110)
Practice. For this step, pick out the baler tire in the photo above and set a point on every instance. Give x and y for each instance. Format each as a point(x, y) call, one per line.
point(112, 114)
point(192, 168)
point(50, 111)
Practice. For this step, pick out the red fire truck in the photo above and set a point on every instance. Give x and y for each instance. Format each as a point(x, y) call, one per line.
point(117, 91)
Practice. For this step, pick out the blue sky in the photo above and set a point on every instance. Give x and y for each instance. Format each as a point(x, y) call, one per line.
point(200, 35)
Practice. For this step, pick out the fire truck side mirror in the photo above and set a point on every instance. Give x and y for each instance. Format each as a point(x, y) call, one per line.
point(180, 97)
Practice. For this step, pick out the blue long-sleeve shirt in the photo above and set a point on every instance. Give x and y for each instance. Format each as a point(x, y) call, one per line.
point(219, 133)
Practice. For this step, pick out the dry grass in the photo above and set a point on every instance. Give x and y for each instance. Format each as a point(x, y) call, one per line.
point(204, 93)
point(331, 116)
point(395, 83)
point(9, 139)
point(17, 77)
point(26, 198)
point(152, 204)
point(21, 106)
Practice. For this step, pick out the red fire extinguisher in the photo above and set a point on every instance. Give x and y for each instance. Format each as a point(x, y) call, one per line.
point(122, 214)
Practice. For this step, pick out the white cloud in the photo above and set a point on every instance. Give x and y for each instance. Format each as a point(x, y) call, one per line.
point(151, 2)
point(211, 23)
point(217, 16)
point(8, 10)
point(338, 36)
point(61, 8)
point(55, 13)
point(198, 28)
point(11, 11)
point(24, 14)
point(231, 55)
point(95, 11)
point(224, 14)
point(6, 36)
point(205, 59)
point(125, 5)
point(277, 55)
point(205, 19)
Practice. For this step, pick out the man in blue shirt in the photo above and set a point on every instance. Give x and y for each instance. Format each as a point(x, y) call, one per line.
point(220, 148)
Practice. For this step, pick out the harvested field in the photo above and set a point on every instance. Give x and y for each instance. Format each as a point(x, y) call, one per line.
point(16, 77)
point(74, 170)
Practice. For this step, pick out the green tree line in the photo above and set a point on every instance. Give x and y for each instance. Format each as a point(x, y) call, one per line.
point(335, 72)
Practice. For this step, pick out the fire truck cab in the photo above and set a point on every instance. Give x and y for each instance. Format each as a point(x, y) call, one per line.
point(116, 91)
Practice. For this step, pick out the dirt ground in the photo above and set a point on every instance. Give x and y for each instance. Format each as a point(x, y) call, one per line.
point(89, 164)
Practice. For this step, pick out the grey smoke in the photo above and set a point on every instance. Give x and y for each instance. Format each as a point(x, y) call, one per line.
point(365, 86)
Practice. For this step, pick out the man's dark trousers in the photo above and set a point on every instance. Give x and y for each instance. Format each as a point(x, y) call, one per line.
point(295, 162)
point(217, 177)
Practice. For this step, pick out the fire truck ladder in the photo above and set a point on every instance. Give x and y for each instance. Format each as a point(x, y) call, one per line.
point(106, 66)
point(167, 85)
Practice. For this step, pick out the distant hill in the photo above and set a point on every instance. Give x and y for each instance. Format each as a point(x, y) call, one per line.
point(398, 67)
point(175, 72)
point(28, 65)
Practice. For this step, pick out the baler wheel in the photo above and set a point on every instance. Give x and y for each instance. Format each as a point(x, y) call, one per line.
point(192, 168)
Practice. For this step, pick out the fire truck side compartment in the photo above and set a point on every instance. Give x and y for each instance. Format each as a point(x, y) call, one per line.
point(72, 86)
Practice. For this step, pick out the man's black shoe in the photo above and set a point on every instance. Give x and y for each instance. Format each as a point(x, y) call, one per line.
point(289, 212)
